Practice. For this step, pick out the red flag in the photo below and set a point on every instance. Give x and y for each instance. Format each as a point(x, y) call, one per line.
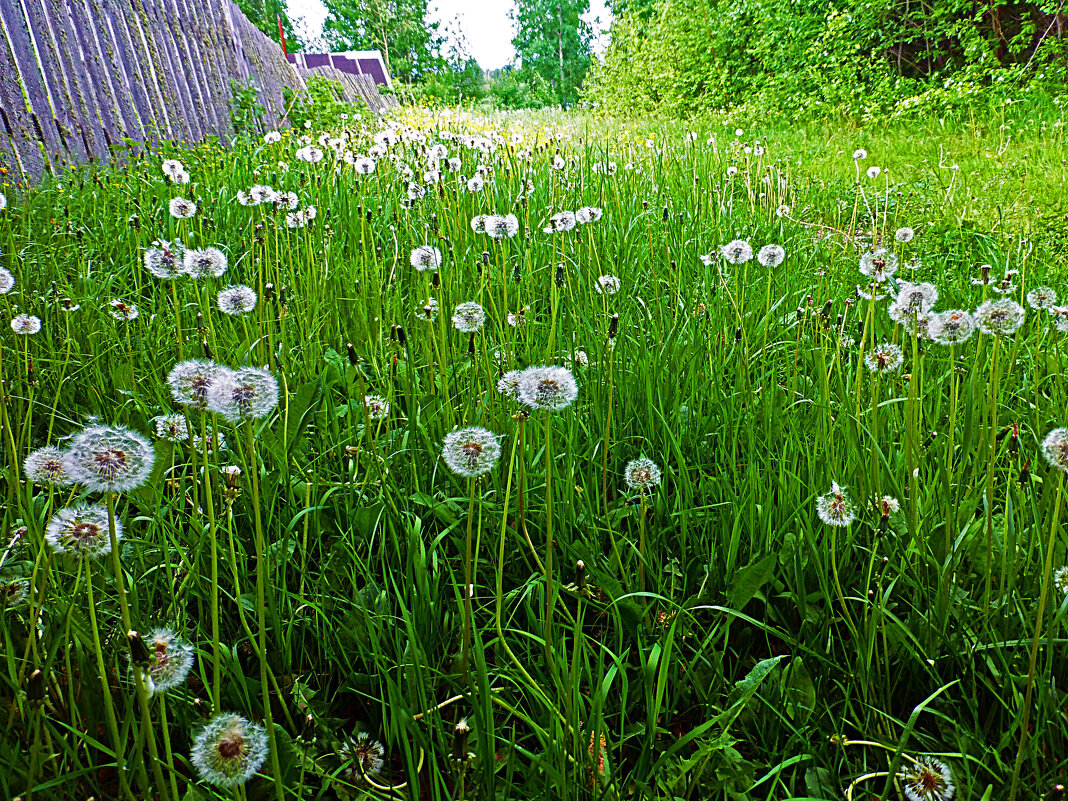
point(282, 35)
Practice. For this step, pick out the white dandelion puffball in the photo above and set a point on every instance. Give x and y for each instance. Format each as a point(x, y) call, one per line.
point(243, 394)
point(229, 750)
point(771, 255)
point(47, 465)
point(181, 208)
point(608, 285)
point(425, 257)
point(7, 281)
point(874, 172)
point(271, 137)
point(237, 300)
point(203, 262)
point(642, 475)
point(835, 508)
point(951, 327)
point(999, 316)
point(737, 252)
point(904, 235)
point(468, 317)
point(110, 458)
point(547, 388)
point(588, 214)
point(471, 452)
point(170, 660)
point(189, 381)
point(81, 531)
point(26, 325)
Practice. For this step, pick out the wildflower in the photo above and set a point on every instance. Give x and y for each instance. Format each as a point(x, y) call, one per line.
point(1060, 317)
point(913, 301)
point(562, 221)
point(171, 427)
point(81, 531)
point(1060, 579)
point(732, 170)
point(26, 325)
point(503, 226)
point(608, 285)
point(581, 358)
point(189, 381)
point(771, 255)
point(172, 168)
point(508, 384)
point(782, 211)
point(468, 317)
point(7, 281)
point(164, 261)
point(13, 592)
point(425, 257)
point(476, 184)
point(366, 755)
point(110, 458)
point(950, 327)
point(205, 261)
point(1041, 297)
point(309, 154)
point(271, 137)
point(642, 475)
point(471, 452)
point(547, 388)
point(377, 407)
point(170, 660)
point(182, 209)
point(1055, 448)
point(364, 165)
point(237, 300)
point(243, 394)
point(121, 310)
point(904, 234)
point(886, 358)
point(588, 214)
point(927, 779)
point(873, 172)
point(999, 316)
point(834, 508)
point(47, 465)
point(229, 750)
point(878, 264)
point(737, 252)
point(860, 153)
point(558, 162)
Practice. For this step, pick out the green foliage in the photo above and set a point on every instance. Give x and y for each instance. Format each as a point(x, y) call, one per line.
point(553, 41)
point(516, 89)
point(804, 57)
point(408, 41)
point(264, 15)
point(246, 111)
point(321, 103)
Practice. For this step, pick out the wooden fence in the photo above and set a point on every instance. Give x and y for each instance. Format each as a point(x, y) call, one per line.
point(77, 77)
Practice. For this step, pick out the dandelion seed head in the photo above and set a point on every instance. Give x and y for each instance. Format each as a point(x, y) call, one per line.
point(237, 300)
point(642, 474)
point(425, 257)
point(110, 458)
point(608, 285)
point(121, 310)
point(243, 394)
point(182, 208)
point(508, 384)
point(588, 214)
point(927, 779)
point(170, 660)
point(999, 317)
point(913, 301)
point(165, 261)
point(377, 407)
point(951, 327)
point(47, 465)
point(547, 388)
point(367, 756)
point(26, 325)
point(202, 262)
point(737, 251)
point(189, 381)
point(13, 592)
point(229, 750)
point(771, 255)
point(560, 222)
point(835, 508)
point(7, 281)
point(1042, 297)
point(172, 427)
point(874, 172)
point(471, 452)
point(885, 358)
point(469, 317)
point(878, 264)
point(1055, 448)
point(81, 531)
point(1060, 579)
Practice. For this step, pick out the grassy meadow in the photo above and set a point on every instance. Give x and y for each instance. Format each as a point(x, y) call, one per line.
point(735, 521)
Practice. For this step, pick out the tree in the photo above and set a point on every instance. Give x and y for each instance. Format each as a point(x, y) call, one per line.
point(553, 41)
point(409, 43)
point(264, 15)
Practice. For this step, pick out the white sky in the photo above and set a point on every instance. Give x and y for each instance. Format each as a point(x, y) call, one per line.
point(484, 23)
